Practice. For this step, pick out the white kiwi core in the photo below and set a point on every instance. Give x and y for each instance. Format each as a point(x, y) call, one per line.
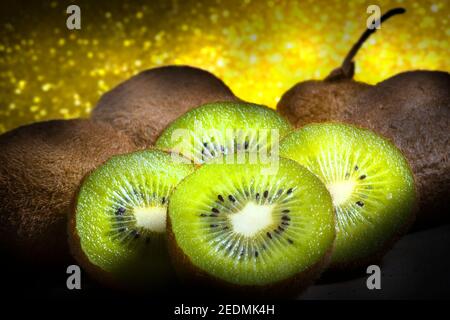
point(252, 219)
point(341, 191)
point(151, 218)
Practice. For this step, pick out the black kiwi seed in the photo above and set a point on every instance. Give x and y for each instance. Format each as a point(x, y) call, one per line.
point(220, 198)
point(257, 196)
point(286, 218)
point(356, 168)
point(280, 228)
point(284, 223)
point(289, 191)
point(232, 199)
point(266, 194)
point(286, 211)
point(213, 225)
point(290, 241)
point(120, 211)
point(276, 231)
point(269, 235)
point(360, 203)
point(215, 210)
point(246, 144)
point(362, 177)
point(202, 215)
point(163, 200)
point(256, 254)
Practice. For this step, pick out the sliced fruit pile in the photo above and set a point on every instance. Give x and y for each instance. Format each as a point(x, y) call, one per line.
point(237, 215)
point(231, 197)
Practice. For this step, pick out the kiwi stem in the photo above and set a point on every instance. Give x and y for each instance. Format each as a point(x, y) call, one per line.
point(346, 70)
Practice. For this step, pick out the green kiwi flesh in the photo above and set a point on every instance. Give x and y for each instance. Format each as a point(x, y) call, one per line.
point(221, 128)
point(118, 229)
point(370, 181)
point(235, 227)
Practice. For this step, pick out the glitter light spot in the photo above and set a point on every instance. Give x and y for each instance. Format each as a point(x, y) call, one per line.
point(259, 48)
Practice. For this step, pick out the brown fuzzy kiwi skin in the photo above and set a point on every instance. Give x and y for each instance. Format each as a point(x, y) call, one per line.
point(146, 103)
point(42, 166)
point(317, 101)
point(194, 278)
point(412, 109)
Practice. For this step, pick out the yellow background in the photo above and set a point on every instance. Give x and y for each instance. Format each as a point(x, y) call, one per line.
point(259, 48)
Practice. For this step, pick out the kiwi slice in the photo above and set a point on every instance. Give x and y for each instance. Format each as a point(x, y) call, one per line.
point(118, 229)
point(370, 181)
point(215, 129)
point(232, 226)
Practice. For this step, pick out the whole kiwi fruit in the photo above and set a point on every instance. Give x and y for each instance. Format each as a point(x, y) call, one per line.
point(324, 100)
point(145, 104)
point(41, 167)
point(413, 110)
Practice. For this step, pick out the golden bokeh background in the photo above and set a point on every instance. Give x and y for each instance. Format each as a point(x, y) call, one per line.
point(259, 48)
